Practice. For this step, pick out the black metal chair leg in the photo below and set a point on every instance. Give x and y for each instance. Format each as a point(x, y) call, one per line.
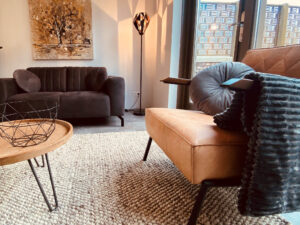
point(198, 204)
point(147, 149)
point(122, 120)
point(40, 185)
point(229, 182)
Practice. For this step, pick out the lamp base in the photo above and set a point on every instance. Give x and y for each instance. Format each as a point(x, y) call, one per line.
point(139, 112)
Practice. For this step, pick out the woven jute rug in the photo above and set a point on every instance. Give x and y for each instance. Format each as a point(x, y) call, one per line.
point(100, 179)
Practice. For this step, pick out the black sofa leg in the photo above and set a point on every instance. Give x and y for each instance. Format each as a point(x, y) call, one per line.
point(122, 120)
point(230, 182)
point(147, 149)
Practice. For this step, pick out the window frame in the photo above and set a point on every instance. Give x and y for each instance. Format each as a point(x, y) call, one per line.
point(187, 42)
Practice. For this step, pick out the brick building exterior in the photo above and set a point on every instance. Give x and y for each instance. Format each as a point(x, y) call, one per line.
point(216, 31)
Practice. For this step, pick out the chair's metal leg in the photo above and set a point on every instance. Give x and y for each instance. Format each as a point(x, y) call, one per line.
point(122, 120)
point(147, 149)
point(40, 185)
point(229, 182)
point(198, 204)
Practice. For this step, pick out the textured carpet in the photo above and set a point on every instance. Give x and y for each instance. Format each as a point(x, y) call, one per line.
point(100, 179)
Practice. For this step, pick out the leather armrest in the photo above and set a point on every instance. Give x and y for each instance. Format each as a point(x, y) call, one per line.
point(178, 81)
point(8, 87)
point(114, 87)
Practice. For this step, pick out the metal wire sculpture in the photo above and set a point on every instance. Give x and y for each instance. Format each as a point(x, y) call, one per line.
point(27, 123)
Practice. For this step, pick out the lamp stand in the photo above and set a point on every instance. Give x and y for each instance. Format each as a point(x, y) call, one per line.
point(140, 111)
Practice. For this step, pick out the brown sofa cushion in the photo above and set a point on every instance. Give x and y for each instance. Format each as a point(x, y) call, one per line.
point(27, 81)
point(84, 104)
point(36, 96)
point(85, 78)
point(52, 78)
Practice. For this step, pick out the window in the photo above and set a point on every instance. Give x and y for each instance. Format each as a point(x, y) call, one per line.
point(215, 33)
point(278, 23)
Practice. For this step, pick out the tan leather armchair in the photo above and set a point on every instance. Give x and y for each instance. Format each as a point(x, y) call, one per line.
point(204, 153)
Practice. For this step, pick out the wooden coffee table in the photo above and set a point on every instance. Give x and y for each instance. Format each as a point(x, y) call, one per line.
point(9, 154)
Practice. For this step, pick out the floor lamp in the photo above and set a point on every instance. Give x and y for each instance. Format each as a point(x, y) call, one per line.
point(141, 22)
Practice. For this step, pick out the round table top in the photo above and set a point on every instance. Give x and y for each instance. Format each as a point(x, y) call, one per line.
point(9, 154)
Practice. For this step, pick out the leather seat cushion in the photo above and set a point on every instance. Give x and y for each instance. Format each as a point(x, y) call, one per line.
point(198, 148)
point(84, 104)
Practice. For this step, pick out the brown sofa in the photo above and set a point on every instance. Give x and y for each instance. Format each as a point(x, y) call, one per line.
point(75, 89)
point(203, 152)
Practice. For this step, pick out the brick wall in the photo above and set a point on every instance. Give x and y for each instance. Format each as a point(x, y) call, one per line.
point(293, 26)
point(214, 32)
point(271, 26)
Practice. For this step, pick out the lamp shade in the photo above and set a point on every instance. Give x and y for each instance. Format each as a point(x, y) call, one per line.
point(141, 22)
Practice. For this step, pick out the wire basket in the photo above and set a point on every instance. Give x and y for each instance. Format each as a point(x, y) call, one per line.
point(27, 123)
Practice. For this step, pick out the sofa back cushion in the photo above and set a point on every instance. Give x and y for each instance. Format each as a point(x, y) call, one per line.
point(27, 81)
point(85, 78)
point(52, 78)
point(280, 60)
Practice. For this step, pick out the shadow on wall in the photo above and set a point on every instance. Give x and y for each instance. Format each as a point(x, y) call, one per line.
point(163, 53)
point(124, 45)
point(118, 42)
point(114, 25)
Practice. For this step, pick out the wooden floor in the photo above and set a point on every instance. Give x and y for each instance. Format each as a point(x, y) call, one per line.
point(111, 124)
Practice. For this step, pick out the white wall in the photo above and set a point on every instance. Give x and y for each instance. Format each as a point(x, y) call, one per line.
point(116, 44)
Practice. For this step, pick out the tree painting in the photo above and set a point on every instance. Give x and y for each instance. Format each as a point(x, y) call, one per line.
point(61, 29)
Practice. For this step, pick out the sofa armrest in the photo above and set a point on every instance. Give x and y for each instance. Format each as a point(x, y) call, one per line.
point(8, 87)
point(114, 87)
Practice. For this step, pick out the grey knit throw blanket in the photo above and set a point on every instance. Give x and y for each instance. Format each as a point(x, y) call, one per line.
point(269, 114)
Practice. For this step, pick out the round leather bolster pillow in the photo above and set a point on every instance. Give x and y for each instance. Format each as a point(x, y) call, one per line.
point(205, 90)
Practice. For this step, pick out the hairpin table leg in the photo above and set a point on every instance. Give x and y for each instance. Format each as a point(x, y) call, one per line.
point(43, 165)
point(37, 163)
point(40, 185)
